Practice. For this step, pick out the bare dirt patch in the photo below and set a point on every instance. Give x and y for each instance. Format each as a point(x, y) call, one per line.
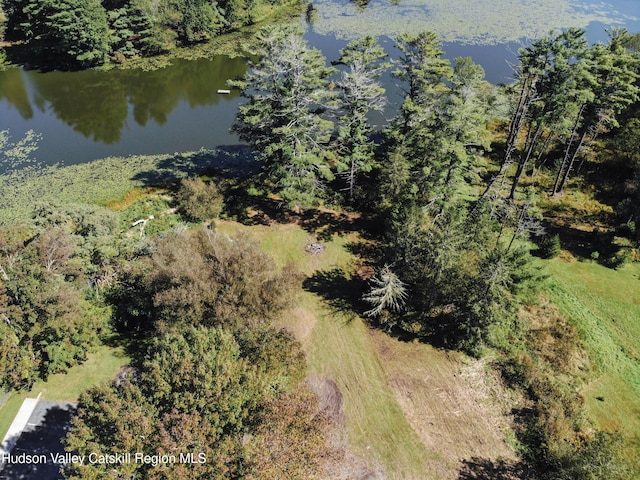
point(329, 396)
point(449, 400)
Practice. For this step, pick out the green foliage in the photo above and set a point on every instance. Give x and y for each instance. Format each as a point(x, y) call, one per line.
point(606, 82)
point(15, 17)
point(151, 216)
point(291, 440)
point(359, 94)
point(51, 272)
point(67, 33)
point(197, 392)
point(617, 259)
point(433, 144)
point(131, 30)
point(287, 88)
point(281, 366)
point(106, 181)
point(598, 457)
point(48, 326)
point(199, 19)
point(422, 68)
point(74, 34)
point(464, 284)
point(201, 370)
point(625, 144)
point(205, 278)
point(549, 246)
point(198, 200)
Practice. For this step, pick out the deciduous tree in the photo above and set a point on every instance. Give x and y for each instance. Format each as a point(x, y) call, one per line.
point(198, 391)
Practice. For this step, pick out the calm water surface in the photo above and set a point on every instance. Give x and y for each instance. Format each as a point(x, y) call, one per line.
point(87, 115)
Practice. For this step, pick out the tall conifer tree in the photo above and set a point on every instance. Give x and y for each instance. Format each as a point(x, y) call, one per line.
point(287, 88)
point(70, 33)
point(359, 94)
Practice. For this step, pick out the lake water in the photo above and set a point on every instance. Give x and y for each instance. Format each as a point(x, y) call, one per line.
point(87, 115)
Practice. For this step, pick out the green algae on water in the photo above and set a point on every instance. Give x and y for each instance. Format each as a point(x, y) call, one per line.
point(479, 22)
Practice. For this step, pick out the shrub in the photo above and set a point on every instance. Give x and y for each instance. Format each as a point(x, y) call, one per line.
point(616, 260)
point(198, 200)
point(549, 246)
point(203, 277)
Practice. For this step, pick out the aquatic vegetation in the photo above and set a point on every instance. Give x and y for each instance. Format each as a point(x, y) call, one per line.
point(481, 22)
point(102, 181)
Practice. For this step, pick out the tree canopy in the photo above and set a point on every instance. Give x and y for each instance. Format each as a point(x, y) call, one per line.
point(203, 392)
point(72, 34)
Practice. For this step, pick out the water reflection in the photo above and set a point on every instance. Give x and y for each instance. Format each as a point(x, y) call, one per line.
point(12, 88)
point(92, 103)
point(98, 104)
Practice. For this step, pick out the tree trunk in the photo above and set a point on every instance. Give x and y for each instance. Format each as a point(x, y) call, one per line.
point(583, 136)
point(538, 164)
point(567, 151)
point(515, 127)
point(524, 159)
point(352, 178)
point(595, 135)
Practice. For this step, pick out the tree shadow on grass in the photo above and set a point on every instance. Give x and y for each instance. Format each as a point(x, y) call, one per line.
point(326, 224)
point(478, 468)
point(251, 206)
point(370, 253)
point(134, 344)
point(340, 292)
point(599, 245)
point(228, 161)
point(580, 243)
point(253, 209)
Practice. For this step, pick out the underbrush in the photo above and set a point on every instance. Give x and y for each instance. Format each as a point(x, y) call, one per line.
point(576, 347)
point(576, 207)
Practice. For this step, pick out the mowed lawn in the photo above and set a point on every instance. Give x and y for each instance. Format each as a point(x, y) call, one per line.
point(604, 305)
point(101, 366)
point(339, 346)
point(381, 424)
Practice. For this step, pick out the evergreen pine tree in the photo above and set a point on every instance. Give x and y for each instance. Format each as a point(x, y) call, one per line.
point(67, 33)
point(608, 78)
point(287, 88)
point(359, 94)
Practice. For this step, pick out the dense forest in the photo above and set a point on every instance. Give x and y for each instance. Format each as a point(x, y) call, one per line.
point(82, 34)
point(454, 188)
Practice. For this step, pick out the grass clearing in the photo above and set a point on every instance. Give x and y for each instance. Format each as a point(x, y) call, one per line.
point(441, 394)
point(100, 366)
point(343, 350)
point(604, 305)
point(340, 347)
point(378, 375)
